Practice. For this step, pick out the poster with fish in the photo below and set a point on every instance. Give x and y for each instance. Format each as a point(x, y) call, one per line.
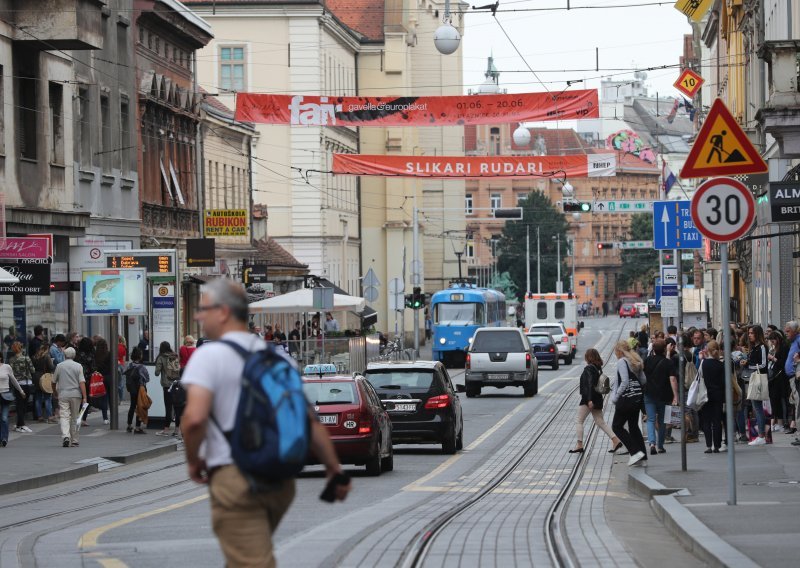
point(114, 291)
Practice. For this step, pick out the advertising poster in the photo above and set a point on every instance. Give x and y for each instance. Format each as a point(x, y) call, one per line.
point(33, 274)
point(163, 317)
point(571, 166)
point(108, 292)
point(306, 110)
point(225, 222)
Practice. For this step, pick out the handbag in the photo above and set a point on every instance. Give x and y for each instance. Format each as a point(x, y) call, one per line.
point(700, 390)
point(758, 388)
point(97, 387)
point(631, 400)
point(603, 385)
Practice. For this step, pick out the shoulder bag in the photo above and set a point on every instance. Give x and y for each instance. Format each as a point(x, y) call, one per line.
point(698, 394)
point(631, 400)
point(758, 388)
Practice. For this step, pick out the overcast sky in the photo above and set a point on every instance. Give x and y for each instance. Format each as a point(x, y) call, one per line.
point(634, 37)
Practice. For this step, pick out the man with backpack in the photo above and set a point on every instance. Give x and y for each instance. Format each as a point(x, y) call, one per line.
point(249, 460)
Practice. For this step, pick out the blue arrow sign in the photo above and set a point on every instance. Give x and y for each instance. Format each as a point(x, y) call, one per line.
point(673, 227)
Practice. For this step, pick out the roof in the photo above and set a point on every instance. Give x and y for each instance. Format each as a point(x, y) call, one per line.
point(188, 15)
point(275, 255)
point(363, 16)
point(393, 365)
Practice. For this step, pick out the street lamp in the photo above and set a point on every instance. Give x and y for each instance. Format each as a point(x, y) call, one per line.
point(446, 37)
point(559, 285)
point(522, 136)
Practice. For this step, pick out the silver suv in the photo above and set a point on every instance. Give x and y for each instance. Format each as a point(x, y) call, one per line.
point(501, 357)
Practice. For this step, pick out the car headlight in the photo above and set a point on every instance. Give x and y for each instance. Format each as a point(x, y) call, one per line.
point(442, 340)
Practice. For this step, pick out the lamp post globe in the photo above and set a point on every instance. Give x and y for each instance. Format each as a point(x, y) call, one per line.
point(522, 136)
point(446, 39)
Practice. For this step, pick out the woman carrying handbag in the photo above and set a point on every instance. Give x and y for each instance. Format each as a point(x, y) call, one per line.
point(758, 389)
point(592, 400)
point(628, 398)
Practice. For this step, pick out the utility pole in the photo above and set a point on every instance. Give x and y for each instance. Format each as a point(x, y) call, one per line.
point(415, 273)
point(527, 259)
point(572, 281)
point(558, 265)
point(538, 263)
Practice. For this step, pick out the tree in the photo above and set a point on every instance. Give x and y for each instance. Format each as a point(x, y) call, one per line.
point(537, 211)
point(639, 265)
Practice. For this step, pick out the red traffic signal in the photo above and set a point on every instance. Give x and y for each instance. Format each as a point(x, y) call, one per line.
point(601, 246)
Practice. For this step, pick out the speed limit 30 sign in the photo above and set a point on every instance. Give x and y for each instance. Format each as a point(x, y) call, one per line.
point(723, 209)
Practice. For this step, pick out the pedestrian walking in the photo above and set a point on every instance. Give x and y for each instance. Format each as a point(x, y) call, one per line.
point(778, 382)
point(757, 362)
point(626, 394)
point(713, 373)
point(70, 384)
point(243, 517)
point(168, 367)
point(86, 357)
point(592, 401)
point(136, 377)
point(23, 372)
point(7, 382)
point(42, 385)
point(661, 389)
point(104, 364)
point(122, 357)
point(57, 348)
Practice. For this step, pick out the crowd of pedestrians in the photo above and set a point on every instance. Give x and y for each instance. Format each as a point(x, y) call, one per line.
point(57, 382)
point(764, 389)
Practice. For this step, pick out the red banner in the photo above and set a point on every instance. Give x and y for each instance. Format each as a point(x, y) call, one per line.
point(579, 165)
point(300, 110)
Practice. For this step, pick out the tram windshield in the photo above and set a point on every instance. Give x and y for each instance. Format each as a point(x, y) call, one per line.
point(460, 314)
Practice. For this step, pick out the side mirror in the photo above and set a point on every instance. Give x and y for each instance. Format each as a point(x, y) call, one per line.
point(461, 388)
point(571, 334)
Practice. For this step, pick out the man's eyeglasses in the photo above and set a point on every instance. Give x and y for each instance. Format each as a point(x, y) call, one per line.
point(208, 307)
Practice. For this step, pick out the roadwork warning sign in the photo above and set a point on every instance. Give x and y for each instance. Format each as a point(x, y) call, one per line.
point(722, 148)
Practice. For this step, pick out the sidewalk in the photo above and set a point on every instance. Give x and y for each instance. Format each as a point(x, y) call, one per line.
point(760, 530)
point(38, 459)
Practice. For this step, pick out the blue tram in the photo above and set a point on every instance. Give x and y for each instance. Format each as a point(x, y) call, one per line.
point(456, 313)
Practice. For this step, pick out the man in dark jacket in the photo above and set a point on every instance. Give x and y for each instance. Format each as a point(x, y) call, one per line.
point(661, 389)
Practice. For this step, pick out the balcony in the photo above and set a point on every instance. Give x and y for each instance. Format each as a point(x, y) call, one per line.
point(169, 221)
point(59, 24)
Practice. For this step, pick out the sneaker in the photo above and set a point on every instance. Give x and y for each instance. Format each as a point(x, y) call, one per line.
point(796, 442)
point(65, 443)
point(653, 451)
point(129, 429)
point(790, 431)
point(777, 428)
point(636, 458)
point(139, 431)
point(105, 422)
point(3, 443)
point(723, 448)
point(28, 430)
point(162, 433)
point(743, 439)
point(52, 421)
point(692, 439)
point(758, 442)
point(75, 444)
point(669, 440)
point(20, 429)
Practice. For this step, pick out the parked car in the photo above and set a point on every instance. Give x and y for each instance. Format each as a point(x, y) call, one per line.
point(421, 402)
point(351, 410)
point(500, 357)
point(544, 349)
point(567, 345)
point(628, 311)
point(641, 308)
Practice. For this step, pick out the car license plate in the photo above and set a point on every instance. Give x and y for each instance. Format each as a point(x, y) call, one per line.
point(328, 419)
point(408, 407)
point(496, 377)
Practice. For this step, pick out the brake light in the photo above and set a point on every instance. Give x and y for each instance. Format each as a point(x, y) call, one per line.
point(364, 425)
point(527, 360)
point(467, 362)
point(552, 349)
point(441, 401)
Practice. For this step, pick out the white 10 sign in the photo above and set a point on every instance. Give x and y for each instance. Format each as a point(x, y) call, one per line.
point(723, 209)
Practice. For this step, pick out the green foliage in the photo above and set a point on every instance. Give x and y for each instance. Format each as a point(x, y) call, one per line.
point(639, 265)
point(537, 211)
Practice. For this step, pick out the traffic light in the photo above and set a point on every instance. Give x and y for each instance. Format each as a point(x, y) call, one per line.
point(417, 299)
point(508, 213)
point(577, 206)
point(669, 257)
point(409, 300)
point(602, 246)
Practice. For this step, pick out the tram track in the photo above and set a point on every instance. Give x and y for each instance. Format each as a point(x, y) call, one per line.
point(559, 550)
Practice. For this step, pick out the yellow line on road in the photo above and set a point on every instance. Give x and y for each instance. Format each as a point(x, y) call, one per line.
point(482, 438)
point(89, 539)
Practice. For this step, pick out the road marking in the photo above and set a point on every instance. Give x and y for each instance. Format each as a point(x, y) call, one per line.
point(90, 538)
point(414, 486)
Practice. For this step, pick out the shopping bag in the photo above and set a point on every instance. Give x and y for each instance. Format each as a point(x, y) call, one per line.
point(81, 415)
point(758, 388)
point(672, 415)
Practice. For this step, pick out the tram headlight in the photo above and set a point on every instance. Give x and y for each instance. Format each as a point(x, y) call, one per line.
point(442, 340)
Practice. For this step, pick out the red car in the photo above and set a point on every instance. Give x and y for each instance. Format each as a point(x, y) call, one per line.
point(628, 311)
point(357, 422)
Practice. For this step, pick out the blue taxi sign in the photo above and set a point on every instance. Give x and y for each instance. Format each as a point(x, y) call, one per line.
point(320, 369)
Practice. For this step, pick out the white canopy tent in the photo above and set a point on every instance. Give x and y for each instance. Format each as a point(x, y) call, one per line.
point(7, 278)
point(303, 301)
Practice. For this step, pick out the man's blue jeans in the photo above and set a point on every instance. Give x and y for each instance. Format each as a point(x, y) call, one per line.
point(655, 410)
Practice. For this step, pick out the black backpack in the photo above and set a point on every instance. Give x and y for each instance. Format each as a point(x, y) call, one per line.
point(132, 378)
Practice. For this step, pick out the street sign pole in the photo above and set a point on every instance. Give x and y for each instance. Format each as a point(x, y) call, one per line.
point(726, 338)
point(681, 369)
